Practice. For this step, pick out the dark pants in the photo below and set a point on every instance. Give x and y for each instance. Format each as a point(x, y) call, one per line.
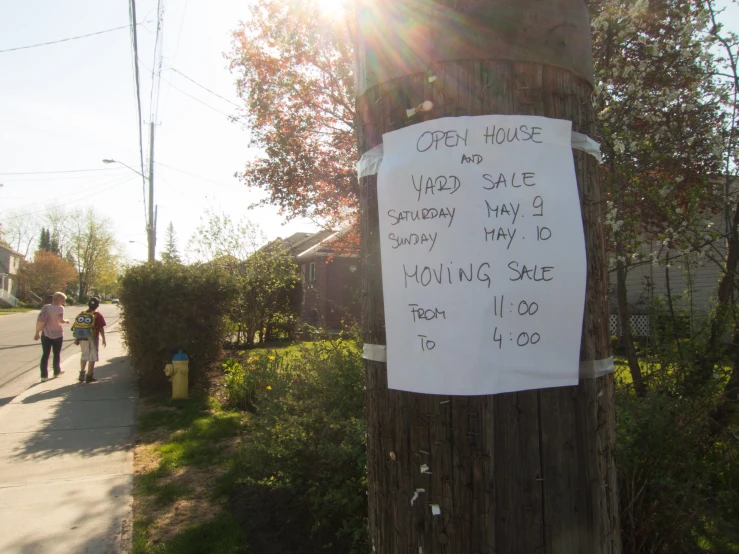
point(48, 345)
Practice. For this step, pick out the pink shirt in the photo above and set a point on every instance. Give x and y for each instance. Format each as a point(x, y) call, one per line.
point(52, 316)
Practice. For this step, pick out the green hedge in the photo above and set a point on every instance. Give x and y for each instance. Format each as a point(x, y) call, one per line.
point(167, 307)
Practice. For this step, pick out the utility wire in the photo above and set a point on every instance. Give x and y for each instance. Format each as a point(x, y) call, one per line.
point(195, 98)
point(196, 176)
point(65, 39)
point(17, 181)
point(158, 47)
point(186, 93)
point(62, 171)
point(98, 191)
point(204, 87)
point(134, 41)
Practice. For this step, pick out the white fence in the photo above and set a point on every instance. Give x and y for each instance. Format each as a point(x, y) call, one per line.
point(639, 325)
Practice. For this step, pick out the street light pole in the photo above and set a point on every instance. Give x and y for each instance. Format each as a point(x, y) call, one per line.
point(151, 224)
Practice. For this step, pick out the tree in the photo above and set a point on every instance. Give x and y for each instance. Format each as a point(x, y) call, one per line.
point(264, 280)
point(657, 125)
point(44, 242)
point(48, 242)
point(726, 81)
point(170, 254)
point(48, 273)
point(295, 71)
point(92, 244)
point(106, 276)
point(59, 222)
point(20, 230)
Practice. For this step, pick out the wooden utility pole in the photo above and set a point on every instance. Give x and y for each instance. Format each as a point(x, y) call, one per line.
point(516, 473)
point(151, 229)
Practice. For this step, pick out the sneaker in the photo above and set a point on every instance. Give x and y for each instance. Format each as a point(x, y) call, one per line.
point(90, 379)
point(44, 379)
point(58, 373)
point(82, 377)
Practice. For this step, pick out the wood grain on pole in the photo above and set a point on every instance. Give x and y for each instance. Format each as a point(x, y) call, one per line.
point(516, 473)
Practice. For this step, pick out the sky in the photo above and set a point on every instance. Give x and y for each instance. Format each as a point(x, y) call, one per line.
point(70, 105)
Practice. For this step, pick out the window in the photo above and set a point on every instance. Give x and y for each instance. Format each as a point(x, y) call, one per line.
point(312, 272)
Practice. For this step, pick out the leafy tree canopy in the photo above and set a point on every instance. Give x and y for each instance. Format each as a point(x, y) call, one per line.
point(295, 74)
point(48, 273)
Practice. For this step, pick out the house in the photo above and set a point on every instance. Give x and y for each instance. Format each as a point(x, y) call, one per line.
point(329, 270)
point(10, 262)
point(693, 281)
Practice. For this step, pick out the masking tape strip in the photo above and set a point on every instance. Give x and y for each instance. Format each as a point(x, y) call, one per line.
point(596, 368)
point(370, 161)
point(586, 144)
point(375, 352)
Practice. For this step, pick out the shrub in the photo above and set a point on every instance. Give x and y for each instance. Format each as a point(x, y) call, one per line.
point(679, 481)
point(310, 436)
point(167, 307)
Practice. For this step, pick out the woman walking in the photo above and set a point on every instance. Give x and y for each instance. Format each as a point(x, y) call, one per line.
point(49, 328)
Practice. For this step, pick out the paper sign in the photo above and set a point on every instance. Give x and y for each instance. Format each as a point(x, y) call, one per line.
point(483, 255)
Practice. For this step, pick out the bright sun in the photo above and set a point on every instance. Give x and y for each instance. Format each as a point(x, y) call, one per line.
point(333, 7)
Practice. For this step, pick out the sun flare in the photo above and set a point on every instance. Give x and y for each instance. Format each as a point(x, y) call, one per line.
point(331, 7)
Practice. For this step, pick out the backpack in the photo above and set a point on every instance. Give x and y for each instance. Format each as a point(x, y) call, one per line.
point(83, 325)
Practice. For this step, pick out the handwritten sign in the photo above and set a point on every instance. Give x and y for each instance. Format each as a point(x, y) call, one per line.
point(483, 255)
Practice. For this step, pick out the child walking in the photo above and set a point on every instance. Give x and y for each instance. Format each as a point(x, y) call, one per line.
point(90, 346)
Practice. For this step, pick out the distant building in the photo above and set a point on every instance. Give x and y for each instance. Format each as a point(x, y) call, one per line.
point(10, 262)
point(329, 270)
point(693, 283)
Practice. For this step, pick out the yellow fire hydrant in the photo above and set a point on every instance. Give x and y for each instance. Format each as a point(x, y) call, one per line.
point(177, 372)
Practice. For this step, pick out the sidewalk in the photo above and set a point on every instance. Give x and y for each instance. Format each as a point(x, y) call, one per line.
point(66, 460)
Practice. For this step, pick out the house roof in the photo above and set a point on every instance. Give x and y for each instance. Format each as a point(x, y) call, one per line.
point(11, 251)
point(305, 245)
point(297, 242)
point(328, 243)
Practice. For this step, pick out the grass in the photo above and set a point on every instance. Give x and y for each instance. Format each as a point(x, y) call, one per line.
point(8, 311)
point(182, 454)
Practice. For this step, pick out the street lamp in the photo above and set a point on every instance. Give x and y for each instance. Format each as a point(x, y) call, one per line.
point(151, 224)
point(124, 164)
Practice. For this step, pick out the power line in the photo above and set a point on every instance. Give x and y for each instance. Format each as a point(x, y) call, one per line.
point(18, 181)
point(134, 42)
point(204, 87)
point(187, 93)
point(60, 171)
point(158, 47)
point(193, 175)
point(64, 39)
point(99, 191)
point(195, 98)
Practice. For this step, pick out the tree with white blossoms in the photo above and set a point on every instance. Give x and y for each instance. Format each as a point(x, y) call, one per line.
point(724, 44)
point(657, 120)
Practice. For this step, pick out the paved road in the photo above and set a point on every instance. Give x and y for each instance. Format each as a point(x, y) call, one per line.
point(20, 354)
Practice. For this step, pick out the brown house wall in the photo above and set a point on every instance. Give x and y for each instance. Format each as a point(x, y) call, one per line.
point(333, 296)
